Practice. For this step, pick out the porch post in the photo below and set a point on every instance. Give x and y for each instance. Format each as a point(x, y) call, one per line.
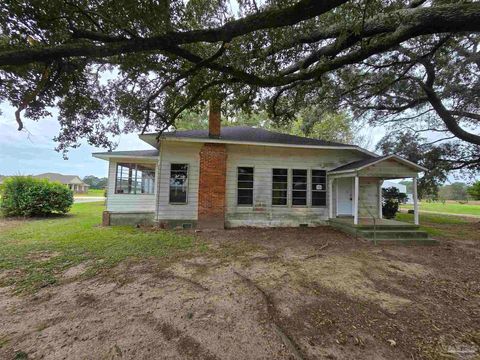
point(330, 198)
point(355, 201)
point(380, 196)
point(415, 201)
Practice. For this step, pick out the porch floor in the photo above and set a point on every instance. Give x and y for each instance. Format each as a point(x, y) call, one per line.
point(369, 222)
point(383, 231)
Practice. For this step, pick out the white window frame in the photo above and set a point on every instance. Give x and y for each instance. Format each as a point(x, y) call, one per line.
point(134, 179)
point(253, 187)
point(312, 190)
point(288, 188)
point(306, 190)
point(187, 185)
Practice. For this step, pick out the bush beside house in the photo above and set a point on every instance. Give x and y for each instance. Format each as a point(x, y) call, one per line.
point(27, 196)
point(392, 198)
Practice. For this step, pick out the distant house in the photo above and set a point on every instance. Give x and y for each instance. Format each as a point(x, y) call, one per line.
point(72, 181)
point(402, 188)
point(2, 179)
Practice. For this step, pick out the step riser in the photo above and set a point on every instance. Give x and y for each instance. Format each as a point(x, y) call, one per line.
point(377, 227)
point(393, 234)
point(385, 227)
point(401, 235)
point(423, 241)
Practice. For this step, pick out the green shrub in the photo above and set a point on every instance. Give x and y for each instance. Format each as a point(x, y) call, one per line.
point(392, 197)
point(27, 196)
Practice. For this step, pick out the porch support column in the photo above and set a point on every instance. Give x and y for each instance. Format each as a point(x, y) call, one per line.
point(355, 201)
point(330, 198)
point(380, 196)
point(415, 201)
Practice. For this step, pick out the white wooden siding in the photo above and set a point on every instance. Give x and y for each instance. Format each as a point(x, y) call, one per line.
point(368, 197)
point(128, 203)
point(388, 168)
point(263, 159)
point(178, 153)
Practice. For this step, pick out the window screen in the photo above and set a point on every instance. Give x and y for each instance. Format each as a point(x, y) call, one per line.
point(245, 186)
point(319, 188)
point(279, 186)
point(178, 183)
point(299, 187)
point(135, 179)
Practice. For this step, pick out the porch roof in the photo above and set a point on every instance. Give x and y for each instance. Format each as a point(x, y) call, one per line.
point(134, 154)
point(373, 167)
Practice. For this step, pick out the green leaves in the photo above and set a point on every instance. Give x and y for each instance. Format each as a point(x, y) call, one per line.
point(27, 196)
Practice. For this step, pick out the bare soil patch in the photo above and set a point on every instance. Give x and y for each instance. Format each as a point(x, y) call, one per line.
point(311, 293)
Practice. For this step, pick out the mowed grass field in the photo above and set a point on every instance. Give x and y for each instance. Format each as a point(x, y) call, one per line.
point(92, 193)
point(449, 207)
point(35, 253)
point(443, 226)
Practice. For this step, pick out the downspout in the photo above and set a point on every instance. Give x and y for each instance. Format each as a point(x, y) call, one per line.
point(159, 171)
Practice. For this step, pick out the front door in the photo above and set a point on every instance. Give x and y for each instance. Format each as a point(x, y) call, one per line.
point(345, 196)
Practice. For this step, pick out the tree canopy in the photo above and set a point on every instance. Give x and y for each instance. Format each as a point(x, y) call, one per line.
point(474, 190)
point(310, 122)
point(121, 66)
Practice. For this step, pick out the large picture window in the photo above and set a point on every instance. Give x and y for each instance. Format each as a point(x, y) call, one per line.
point(135, 179)
point(319, 188)
point(245, 186)
point(178, 183)
point(279, 187)
point(299, 187)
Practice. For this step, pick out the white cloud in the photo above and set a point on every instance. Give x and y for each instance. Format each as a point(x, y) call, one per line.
point(32, 151)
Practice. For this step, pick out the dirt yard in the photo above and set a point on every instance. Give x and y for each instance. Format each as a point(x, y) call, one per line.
point(310, 293)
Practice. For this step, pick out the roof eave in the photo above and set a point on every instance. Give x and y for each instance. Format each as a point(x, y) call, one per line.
point(396, 157)
point(256, 143)
point(103, 156)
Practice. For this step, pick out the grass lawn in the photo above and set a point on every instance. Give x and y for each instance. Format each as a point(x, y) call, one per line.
point(93, 193)
point(448, 207)
point(443, 226)
point(37, 252)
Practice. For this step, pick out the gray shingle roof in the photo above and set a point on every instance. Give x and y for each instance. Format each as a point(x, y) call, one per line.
point(130, 153)
point(250, 134)
point(356, 164)
point(64, 179)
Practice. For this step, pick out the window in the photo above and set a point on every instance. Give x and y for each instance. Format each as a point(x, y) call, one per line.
point(245, 186)
point(319, 188)
point(135, 179)
point(178, 183)
point(279, 187)
point(299, 187)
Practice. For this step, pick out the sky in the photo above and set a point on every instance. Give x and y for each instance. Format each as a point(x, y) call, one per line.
point(32, 152)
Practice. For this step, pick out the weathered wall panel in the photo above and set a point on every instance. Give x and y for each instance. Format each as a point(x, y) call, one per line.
point(179, 153)
point(125, 203)
point(264, 159)
point(388, 168)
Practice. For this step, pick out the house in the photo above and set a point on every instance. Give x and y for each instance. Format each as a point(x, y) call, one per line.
point(242, 176)
point(72, 181)
point(400, 187)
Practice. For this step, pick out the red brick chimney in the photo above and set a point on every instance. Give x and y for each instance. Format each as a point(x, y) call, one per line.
point(213, 175)
point(214, 118)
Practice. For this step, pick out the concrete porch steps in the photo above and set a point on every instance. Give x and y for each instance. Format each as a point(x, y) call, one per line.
point(392, 234)
point(386, 231)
